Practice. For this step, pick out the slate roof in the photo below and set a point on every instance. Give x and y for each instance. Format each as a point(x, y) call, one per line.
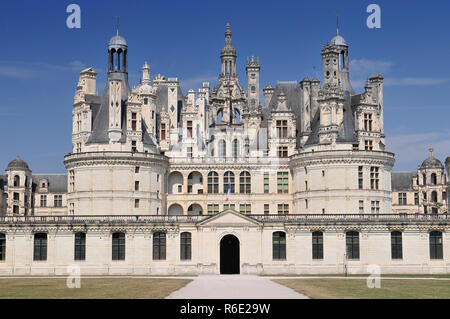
point(402, 181)
point(57, 183)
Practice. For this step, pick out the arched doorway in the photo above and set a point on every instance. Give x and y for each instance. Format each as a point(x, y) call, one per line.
point(229, 255)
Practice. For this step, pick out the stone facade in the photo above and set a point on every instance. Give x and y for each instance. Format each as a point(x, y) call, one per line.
point(159, 182)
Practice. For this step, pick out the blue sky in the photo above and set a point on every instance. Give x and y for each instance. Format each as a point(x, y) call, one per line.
point(40, 60)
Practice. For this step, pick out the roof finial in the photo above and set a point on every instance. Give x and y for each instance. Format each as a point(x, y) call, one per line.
point(117, 25)
point(337, 23)
point(431, 150)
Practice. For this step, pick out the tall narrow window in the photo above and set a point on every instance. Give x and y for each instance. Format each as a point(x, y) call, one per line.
point(236, 150)
point(72, 180)
point(374, 177)
point(118, 246)
point(2, 246)
point(279, 245)
point(185, 246)
point(352, 241)
point(213, 183)
point(43, 200)
point(245, 184)
point(266, 183)
point(282, 151)
point(436, 251)
point(402, 198)
point(136, 185)
point(375, 206)
point(367, 121)
point(222, 148)
point(360, 177)
point(133, 146)
point(361, 207)
point(396, 245)
point(266, 209)
point(228, 181)
point(58, 201)
point(416, 198)
point(282, 182)
point(80, 246)
point(433, 179)
point(159, 246)
point(163, 131)
point(16, 181)
point(133, 121)
point(317, 245)
point(368, 145)
point(40, 246)
point(189, 129)
point(281, 128)
point(189, 152)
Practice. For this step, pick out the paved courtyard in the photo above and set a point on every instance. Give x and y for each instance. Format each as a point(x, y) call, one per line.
point(234, 287)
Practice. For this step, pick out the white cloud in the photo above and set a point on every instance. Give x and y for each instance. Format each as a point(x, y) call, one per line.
point(20, 70)
point(412, 81)
point(365, 66)
point(196, 82)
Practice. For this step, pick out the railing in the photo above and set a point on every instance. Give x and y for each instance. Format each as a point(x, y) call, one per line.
point(159, 219)
point(207, 160)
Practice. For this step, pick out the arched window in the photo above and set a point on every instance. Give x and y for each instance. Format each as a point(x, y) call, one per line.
point(228, 180)
point(317, 245)
point(2, 246)
point(279, 245)
point(222, 148)
point(16, 181)
point(236, 150)
point(159, 246)
point(433, 179)
point(219, 116)
point(436, 251)
point(185, 246)
point(118, 246)
point(40, 246)
point(352, 240)
point(424, 177)
point(80, 246)
point(245, 183)
point(213, 183)
point(396, 245)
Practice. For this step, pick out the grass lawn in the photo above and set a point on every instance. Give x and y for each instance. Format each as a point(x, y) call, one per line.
point(357, 288)
point(113, 287)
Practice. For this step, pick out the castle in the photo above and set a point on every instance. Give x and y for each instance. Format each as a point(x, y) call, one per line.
point(217, 181)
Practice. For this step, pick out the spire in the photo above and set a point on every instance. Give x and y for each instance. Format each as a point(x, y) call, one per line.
point(431, 150)
point(117, 26)
point(337, 23)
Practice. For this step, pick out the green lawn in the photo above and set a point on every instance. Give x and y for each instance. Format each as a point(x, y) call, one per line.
point(114, 287)
point(357, 288)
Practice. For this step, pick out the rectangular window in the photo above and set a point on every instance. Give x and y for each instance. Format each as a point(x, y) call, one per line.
point(375, 207)
point(40, 246)
point(361, 207)
point(136, 185)
point(436, 251)
point(43, 200)
point(352, 242)
point(367, 122)
point(133, 146)
point(368, 145)
point(374, 177)
point(57, 200)
point(282, 182)
point(136, 169)
point(16, 196)
point(136, 203)
point(80, 246)
point(317, 245)
point(245, 209)
point(266, 183)
point(133, 122)
point(118, 246)
point(360, 177)
point(396, 245)
point(2, 247)
point(279, 245)
point(189, 129)
point(282, 151)
point(402, 198)
point(185, 246)
point(416, 198)
point(266, 209)
point(283, 209)
point(163, 131)
point(281, 128)
point(159, 246)
point(189, 152)
point(213, 209)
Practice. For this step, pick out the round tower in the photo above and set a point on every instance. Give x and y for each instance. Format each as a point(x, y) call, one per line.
point(19, 188)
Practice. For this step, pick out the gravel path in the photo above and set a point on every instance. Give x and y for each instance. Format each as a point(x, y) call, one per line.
point(234, 287)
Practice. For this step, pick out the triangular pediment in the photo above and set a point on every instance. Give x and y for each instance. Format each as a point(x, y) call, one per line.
point(230, 217)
